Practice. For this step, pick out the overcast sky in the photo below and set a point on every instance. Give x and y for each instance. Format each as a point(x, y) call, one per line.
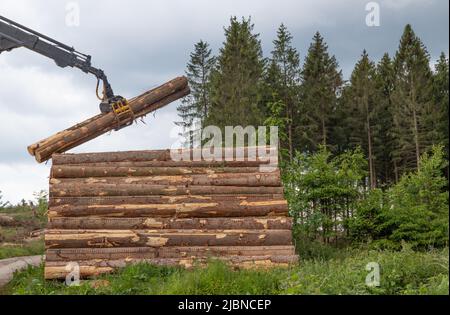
point(141, 44)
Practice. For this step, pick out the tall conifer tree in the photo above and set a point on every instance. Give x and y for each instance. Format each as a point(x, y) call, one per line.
point(236, 82)
point(362, 104)
point(195, 106)
point(283, 78)
point(412, 101)
point(321, 82)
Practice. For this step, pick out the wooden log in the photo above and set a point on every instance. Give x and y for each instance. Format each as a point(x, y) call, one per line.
point(238, 223)
point(104, 122)
point(158, 238)
point(60, 160)
point(78, 254)
point(94, 190)
point(75, 171)
point(234, 179)
point(33, 147)
point(148, 155)
point(89, 268)
point(139, 200)
point(231, 208)
point(153, 107)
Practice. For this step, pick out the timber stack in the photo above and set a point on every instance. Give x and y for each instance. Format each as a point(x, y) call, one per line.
point(108, 210)
point(103, 123)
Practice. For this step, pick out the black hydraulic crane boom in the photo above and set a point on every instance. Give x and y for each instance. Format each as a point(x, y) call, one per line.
point(14, 35)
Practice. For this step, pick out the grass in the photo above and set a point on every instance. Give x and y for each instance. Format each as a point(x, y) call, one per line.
point(26, 249)
point(15, 239)
point(403, 272)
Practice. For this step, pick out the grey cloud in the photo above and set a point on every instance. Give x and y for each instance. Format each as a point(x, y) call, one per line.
point(141, 44)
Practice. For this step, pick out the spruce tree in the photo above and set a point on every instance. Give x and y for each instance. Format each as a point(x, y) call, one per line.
point(385, 166)
point(236, 97)
point(321, 82)
point(440, 97)
point(412, 101)
point(283, 79)
point(361, 108)
point(195, 106)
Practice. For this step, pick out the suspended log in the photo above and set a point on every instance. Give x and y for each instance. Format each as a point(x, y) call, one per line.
point(77, 171)
point(89, 268)
point(165, 101)
point(236, 179)
point(140, 106)
point(157, 238)
point(83, 223)
point(93, 190)
point(33, 147)
point(158, 155)
point(182, 210)
point(77, 254)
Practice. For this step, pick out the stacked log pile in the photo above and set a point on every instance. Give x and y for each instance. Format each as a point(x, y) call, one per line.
point(110, 209)
point(103, 123)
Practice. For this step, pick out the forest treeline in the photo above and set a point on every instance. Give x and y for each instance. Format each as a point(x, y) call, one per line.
point(395, 109)
point(363, 160)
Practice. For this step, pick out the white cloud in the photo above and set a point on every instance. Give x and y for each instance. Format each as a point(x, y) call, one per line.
point(21, 180)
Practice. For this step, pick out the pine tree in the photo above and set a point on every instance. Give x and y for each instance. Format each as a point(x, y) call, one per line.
point(412, 101)
point(195, 106)
point(362, 103)
point(321, 82)
point(236, 97)
point(283, 78)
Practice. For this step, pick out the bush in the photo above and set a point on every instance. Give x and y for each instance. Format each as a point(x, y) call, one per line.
point(322, 190)
point(418, 205)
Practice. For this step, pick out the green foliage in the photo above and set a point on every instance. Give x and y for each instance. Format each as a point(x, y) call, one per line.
point(418, 204)
point(413, 108)
point(321, 81)
point(277, 118)
point(321, 191)
point(195, 106)
point(236, 81)
point(403, 272)
point(27, 249)
point(366, 222)
point(41, 207)
point(415, 210)
point(440, 96)
point(360, 107)
point(282, 80)
point(3, 204)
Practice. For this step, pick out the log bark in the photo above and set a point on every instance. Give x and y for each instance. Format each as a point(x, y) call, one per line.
point(105, 122)
point(78, 254)
point(153, 107)
point(182, 210)
point(158, 238)
point(89, 268)
point(234, 179)
point(58, 159)
point(94, 190)
point(76, 171)
point(251, 223)
point(153, 155)
point(139, 200)
point(33, 147)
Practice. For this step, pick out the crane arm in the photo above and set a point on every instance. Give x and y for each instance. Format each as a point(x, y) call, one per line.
point(14, 35)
